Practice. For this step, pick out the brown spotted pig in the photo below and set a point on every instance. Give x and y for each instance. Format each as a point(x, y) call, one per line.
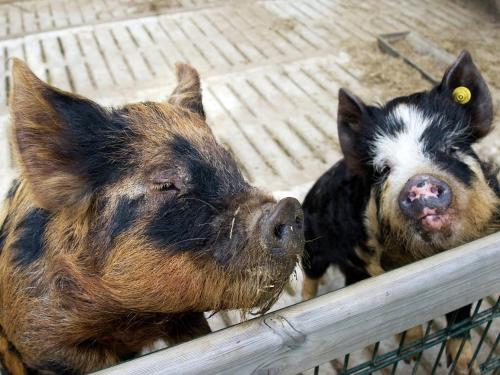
point(124, 226)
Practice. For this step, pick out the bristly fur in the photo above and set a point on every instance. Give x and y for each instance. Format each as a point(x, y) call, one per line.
point(120, 229)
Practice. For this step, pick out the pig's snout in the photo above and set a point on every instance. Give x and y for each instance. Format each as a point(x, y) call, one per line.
point(425, 196)
point(284, 227)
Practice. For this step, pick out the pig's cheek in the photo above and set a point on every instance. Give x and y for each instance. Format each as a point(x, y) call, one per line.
point(391, 212)
point(460, 207)
point(473, 208)
point(461, 196)
point(389, 202)
point(483, 205)
point(477, 198)
point(370, 218)
point(252, 220)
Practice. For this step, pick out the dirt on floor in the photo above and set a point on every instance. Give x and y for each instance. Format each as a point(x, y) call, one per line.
point(483, 45)
point(434, 67)
point(389, 77)
point(386, 76)
point(154, 6)
point(285, 24)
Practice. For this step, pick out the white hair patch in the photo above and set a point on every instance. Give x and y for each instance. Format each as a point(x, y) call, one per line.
point(403, 149)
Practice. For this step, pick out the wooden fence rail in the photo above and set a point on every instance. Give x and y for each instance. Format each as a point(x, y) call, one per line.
point(302, 336)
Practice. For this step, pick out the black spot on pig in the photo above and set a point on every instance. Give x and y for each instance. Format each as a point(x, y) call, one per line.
point(93, 130)
point(490, 173)
point(56, 368)
point(340, 196)
point(183, 224)
point(192, 220)
point(29, 246)
point(124, 215)
point(454, 166)
point(209, 178)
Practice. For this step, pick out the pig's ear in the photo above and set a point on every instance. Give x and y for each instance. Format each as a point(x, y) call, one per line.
point(463, 72)
point(51, 137)
point(187, 94)
point(349, 117)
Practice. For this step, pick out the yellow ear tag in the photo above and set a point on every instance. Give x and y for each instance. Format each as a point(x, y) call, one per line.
point(462, 95)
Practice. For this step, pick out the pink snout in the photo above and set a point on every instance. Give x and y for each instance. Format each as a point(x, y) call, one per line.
point(425, 198)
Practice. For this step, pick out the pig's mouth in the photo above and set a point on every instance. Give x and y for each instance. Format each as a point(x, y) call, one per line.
point(433, 221)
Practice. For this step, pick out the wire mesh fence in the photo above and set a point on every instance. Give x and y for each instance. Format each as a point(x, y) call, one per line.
point(485, 312)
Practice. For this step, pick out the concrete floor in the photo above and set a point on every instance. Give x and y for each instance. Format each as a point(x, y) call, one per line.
point(271, 70)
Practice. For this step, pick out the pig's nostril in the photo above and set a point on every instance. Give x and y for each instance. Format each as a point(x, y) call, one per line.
point(299, 220)
point(279, 230)
point(422, 191)
point(283, 226)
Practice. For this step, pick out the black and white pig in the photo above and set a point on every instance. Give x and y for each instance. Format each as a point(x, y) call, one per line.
point(409, 186)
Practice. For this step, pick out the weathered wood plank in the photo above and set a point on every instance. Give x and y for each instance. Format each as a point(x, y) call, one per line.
point(299, 337)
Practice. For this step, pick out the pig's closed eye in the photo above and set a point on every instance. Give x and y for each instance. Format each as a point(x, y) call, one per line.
point(166, 180)
point(385, 169)
point(167, 186)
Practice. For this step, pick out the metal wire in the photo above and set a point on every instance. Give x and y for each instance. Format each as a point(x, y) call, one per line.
point(374, 355)
point(400, 346)
point(464, 339)
point(419, 355)
point(346, 363)
point(438, 358)
point(490, 366)
point(380, 360)
point(493, 348)
point(484, 334)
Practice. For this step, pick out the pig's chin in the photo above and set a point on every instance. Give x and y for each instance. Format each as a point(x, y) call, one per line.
point(254, 279)
point(435, 230)
point(435, 222)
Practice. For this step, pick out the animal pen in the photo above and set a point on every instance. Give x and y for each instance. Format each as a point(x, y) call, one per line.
point(271, 70)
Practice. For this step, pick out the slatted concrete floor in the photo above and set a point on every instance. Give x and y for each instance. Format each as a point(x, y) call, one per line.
point(18, 18)
point(271, 69)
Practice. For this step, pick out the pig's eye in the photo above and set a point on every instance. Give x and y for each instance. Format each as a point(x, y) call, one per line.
point(385, 169)
point(166, 180)
point(453, 149)
point(166, 186)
